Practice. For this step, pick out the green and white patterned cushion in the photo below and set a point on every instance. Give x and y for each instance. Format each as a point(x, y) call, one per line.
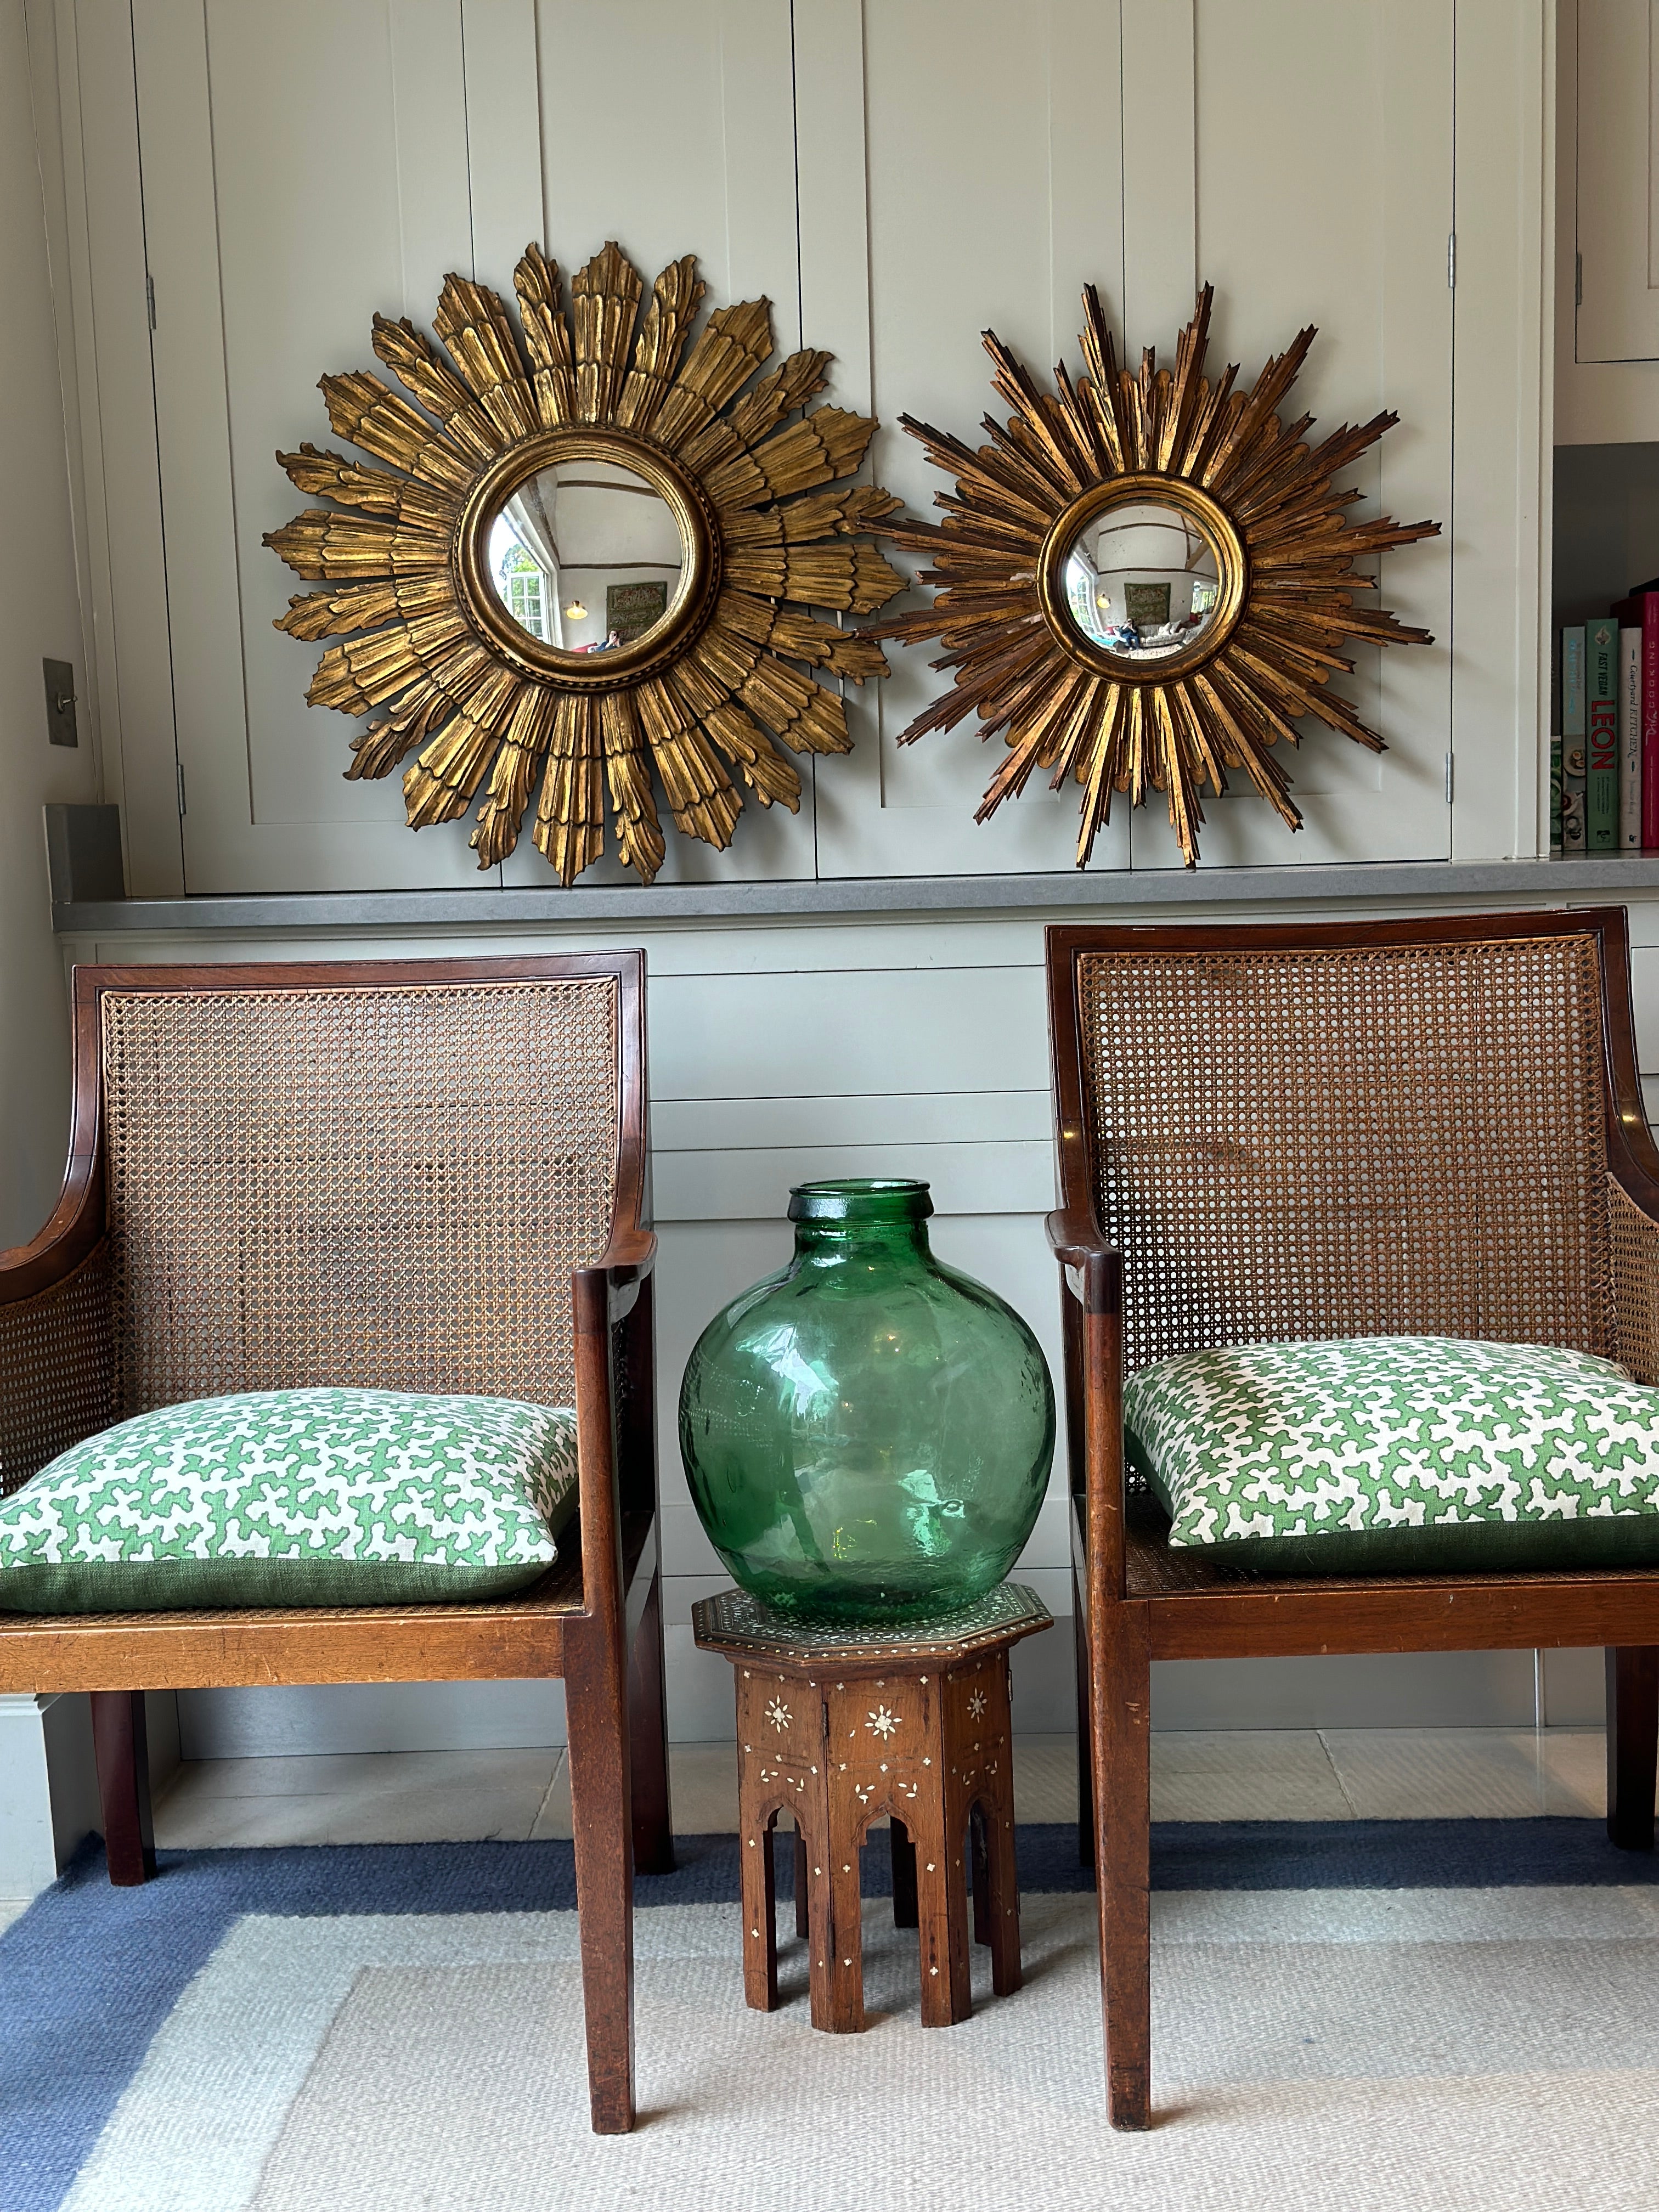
point(322, 1497)
point(1400, 1454)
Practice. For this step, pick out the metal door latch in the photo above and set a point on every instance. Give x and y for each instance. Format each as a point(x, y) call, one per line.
point(60, 702)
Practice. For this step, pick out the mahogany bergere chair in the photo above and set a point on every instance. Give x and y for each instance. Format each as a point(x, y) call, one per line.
point(1425, 1127)
point(426, 1176)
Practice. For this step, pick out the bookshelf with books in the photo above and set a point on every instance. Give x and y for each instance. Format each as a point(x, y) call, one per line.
point(1604, 763)
point(1604, 695)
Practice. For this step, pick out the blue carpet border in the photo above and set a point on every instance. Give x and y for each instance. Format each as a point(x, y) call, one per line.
point(89, 1973)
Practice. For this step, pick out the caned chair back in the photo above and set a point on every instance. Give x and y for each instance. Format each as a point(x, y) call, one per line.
point(1378, 1129)
point(380, 1175)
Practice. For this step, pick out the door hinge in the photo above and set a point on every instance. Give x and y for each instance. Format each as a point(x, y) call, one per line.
point(150, 298)
point(1448, 778)
point(181, 789)
point(1577, 280)
point(1451, 259)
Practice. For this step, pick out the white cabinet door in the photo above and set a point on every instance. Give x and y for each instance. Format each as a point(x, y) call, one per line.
point(1618, 181)
point(669, 125)
point(990, 189)
point(304, 166)
point(1321, 135)
point(1295, 153)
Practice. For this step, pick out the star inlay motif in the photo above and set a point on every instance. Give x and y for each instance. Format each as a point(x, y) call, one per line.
point(778, 1713)
point(882, 1723)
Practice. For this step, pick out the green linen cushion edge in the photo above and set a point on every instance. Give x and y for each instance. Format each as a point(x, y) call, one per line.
point(1399, 1455)
point(312, 1497)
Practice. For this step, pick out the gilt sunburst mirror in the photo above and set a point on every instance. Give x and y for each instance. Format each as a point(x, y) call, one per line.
point(588, 565)
point(1146, 580)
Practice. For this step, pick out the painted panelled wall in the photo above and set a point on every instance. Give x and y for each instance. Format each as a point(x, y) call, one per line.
point(895, 176)
point(41, 616)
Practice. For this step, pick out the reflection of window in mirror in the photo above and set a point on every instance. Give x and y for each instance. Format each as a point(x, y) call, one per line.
point(586, 555)
point(523, 585)
point(527, 587)
point(1080, 592)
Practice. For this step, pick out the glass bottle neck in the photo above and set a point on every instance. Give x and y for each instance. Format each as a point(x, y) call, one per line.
point(835, 1222)
point(827, 1243)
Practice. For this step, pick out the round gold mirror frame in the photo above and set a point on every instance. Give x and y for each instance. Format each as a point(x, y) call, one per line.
point(668, 638)
point(1265, 501)
point(1232, 566)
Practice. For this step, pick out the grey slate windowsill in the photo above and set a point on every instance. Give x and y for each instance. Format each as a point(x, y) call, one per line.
point(1607, 875)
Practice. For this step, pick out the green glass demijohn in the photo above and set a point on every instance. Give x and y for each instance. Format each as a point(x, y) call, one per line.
point(868, 1435)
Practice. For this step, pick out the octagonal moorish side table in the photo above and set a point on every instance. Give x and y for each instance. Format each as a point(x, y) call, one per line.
point(837, 1726)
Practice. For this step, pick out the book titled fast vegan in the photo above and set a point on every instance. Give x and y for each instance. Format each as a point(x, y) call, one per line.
point(1630, 735)
point(1601, 736)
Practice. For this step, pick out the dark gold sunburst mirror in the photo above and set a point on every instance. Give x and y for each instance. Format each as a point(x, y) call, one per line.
point(1144, 581)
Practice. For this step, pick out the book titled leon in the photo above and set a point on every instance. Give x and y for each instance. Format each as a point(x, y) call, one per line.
point(1601, 736)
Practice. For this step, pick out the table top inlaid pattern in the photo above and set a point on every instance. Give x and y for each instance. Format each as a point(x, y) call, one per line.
point(733, 1621)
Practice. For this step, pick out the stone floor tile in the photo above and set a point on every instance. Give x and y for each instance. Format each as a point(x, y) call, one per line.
point(1243, 1774)
point(1437, 1774)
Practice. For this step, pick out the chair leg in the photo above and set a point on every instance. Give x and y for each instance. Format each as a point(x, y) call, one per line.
point(1003, 1895)
point(1632, 1743)
point(1121, 1715)
point(904, 1875)
point(757, 1871)
point(979, 1860)
point(836, 1957)
point(121, 1750)
point(943, 1913)
point(596, 1723)
point(1085, 1780)
point(647, 1742)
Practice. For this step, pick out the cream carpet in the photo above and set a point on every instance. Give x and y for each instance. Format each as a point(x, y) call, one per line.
point(1469, 2048)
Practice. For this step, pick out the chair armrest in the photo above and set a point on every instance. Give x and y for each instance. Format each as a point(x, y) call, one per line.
point(1091, 1268)
point(57, 1355)
point(625, 1264)
point(75, 1231)
point(616, 1420)
point(57, 1330)
point(1633, 1239)
point(1091, 1319)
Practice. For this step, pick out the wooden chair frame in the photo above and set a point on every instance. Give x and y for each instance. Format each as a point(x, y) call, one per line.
point(1136, 1600)
point(595, 1618)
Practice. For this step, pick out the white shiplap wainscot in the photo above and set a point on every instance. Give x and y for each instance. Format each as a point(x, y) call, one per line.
point(903, 1046)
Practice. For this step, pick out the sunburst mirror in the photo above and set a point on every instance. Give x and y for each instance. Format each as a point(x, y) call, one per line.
point(590, 559)
point(1144, 580)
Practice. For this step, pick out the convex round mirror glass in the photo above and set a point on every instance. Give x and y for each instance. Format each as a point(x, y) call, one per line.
point(1142, 582)
point(585, 557)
